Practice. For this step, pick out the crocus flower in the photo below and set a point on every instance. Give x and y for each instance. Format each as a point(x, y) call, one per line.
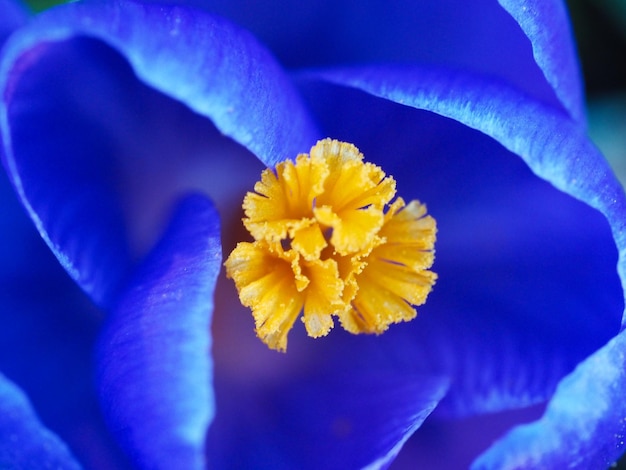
point(132, 132)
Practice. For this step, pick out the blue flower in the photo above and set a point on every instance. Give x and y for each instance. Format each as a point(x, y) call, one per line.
point(131, 133)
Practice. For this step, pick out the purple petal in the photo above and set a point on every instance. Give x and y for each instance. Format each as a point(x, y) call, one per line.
point(357, 419)
point(342, 419)
point(547, 26)
point(584, 425)
point(155, 366)
point(430, 446)
point(24, 441)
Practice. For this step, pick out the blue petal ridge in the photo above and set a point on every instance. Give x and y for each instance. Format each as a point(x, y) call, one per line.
point(24, 441)
point(554, 146)
point(211, 66)
point(546, 24)
point(584, 426)
point(215, 68)
point(155, 370)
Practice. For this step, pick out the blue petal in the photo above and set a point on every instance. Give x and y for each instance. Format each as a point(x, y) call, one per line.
point(478, 35)
point(24, 441)
point(215, 68)
point(485, 356)
point(59, 162)
point(155, 367)
point(584, 425)
point(554, 147)
point(69, 174)
point(19, 242)
point(547, 26)
point(47, 337)
point(353, 418)
point(430, 446)
point(515, 307)
point(329, 417)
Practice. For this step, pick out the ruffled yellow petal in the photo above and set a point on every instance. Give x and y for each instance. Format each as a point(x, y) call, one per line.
point(309, 241)
point(395, 275)
point(277, 285)
point(374, 308)
point(349, 268)
point(267, 284)
point(411, 285)
point(284, 198)
point(352, 231)
point(323, 298)
point(327, 244)
point(409, 224)
point(355, 194)
point(354, 185)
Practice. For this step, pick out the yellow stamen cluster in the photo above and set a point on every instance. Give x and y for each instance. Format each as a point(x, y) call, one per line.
point(324, 246)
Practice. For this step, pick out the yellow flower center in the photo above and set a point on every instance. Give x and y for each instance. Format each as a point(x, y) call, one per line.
point(327, 242)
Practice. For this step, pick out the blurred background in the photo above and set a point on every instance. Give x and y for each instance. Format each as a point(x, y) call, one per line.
point(600, 29)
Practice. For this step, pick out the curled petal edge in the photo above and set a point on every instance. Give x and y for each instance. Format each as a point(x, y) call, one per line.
point(216, 69)
point(24, 441)
point(555, 147)
point(155, 369)
point(584, 425)
point(546, 24)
